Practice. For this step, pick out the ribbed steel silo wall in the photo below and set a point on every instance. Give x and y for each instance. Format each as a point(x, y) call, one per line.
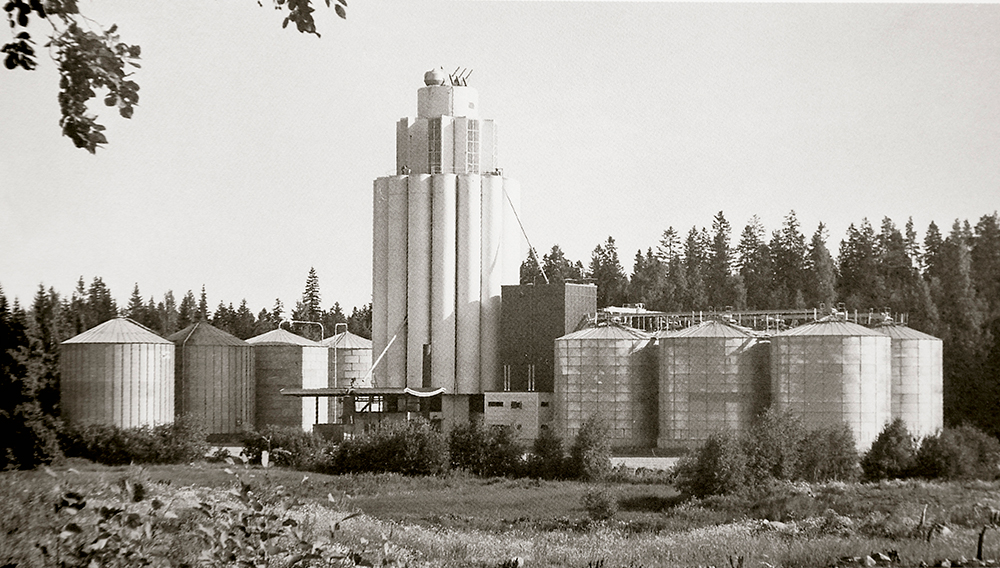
point(917, 384)
point(120, 384)
point(614, 379)
point(392, 372)
point(380, 265)
point(490, 281)
point(834, 379)
point(315, 375)
point(468, 276)
point(215, 384)
point(418, 278)
point(709, 384)
point(443, 264)
point(278, 367)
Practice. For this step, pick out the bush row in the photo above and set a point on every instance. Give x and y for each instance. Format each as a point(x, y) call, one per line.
point(179, 442)
point(959, 453)
point(780, 448)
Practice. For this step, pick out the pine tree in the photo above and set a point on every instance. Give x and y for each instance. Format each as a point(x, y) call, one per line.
point(187, 314)
point(168, 314)
point(932, 250)
point(360, 322)
point(647, 283)
point(986, 263)
point(243, 321)
point(606, 270)
point(100, 305)
point(788, 258)
point(558, 268)
point(311, 298)
point(696, 247)
point(860, 285)
point(821, 273)
point(203, 305)
point(723, 288)
point(674, 292)
point(753, 260)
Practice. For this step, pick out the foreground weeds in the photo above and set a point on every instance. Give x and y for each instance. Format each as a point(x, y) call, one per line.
point(208, 515)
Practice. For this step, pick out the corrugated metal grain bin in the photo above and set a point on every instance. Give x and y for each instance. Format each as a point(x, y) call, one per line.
point(215, 378)
point(610, 371)
point(917, 379)
point(833, 372)
point(117, 373)
point(713, 376)
point(350, 358)
point(283, 360)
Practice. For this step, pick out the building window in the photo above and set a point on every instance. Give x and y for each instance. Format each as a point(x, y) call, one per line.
point(544, 404)
point(495, 404)
point(515, 404)
point(531, 378)
point(434, 145)
point(375, 403)
point(506, 378)
point(472, 148)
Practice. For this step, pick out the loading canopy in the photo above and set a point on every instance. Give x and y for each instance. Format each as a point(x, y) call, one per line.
point(366, 391)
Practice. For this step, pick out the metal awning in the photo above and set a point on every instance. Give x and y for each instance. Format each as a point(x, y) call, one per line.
point(365, 391)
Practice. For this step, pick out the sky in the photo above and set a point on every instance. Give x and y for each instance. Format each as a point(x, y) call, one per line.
point(251, 155)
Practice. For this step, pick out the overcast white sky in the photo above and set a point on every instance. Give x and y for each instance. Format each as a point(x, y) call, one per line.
point(252, 153)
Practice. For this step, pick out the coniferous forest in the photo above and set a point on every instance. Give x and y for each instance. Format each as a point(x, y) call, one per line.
point(947, 282)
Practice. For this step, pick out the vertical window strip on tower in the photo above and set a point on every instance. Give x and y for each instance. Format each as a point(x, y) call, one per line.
point(472, 148)
point(434, 145)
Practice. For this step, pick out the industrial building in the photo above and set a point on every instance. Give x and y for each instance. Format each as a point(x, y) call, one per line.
point(456, 338)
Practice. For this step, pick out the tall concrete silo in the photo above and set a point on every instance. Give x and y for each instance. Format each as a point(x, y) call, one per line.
point(283, 360)
point(214, 378)
point(917, 379)
point(445, 238)
point(608, 371)
point(713, 376)
point(118, 373)
point(834, 372)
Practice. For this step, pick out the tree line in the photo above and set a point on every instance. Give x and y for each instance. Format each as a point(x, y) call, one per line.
point(947, 284)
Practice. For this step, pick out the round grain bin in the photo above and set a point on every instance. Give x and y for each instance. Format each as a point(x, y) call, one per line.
point(350, 358)
point(833, 372)
point(712, 377)
point(215, 378)
point(917, 384)
point(118, 373)
point(283, 360)
point(608, 371)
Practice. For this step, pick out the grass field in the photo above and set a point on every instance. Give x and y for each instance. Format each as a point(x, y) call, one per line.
point(199, 514)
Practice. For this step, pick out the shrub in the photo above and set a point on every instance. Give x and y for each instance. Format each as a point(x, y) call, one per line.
point(412, 447)
point(773, 444)
point(600, 504)
point(29, 438)
point(590, 456)
point(892, 455)
point(178, 442)
point(959, 453)
point(718, 467)
point(485, 451)
point(286, 446)
point(547, 461)
point(828, 453)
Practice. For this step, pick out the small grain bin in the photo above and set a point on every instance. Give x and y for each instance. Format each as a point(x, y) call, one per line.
point(350, 358)
point(283, 360)
point(215, 378)
point(609, 371)
point(712, 377)
point(917, 379)
point(118, 373)
point(833, 372)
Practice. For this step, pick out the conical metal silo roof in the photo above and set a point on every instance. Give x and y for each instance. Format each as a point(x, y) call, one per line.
point(611, 332)
point(203, 333)
point(118, 330)
point(830, 327)
point(346, 340)
point(712, 328)
point(904, 332)
point(281, 337)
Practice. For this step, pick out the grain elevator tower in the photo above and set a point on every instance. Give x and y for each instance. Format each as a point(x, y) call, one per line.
point(445, 238)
